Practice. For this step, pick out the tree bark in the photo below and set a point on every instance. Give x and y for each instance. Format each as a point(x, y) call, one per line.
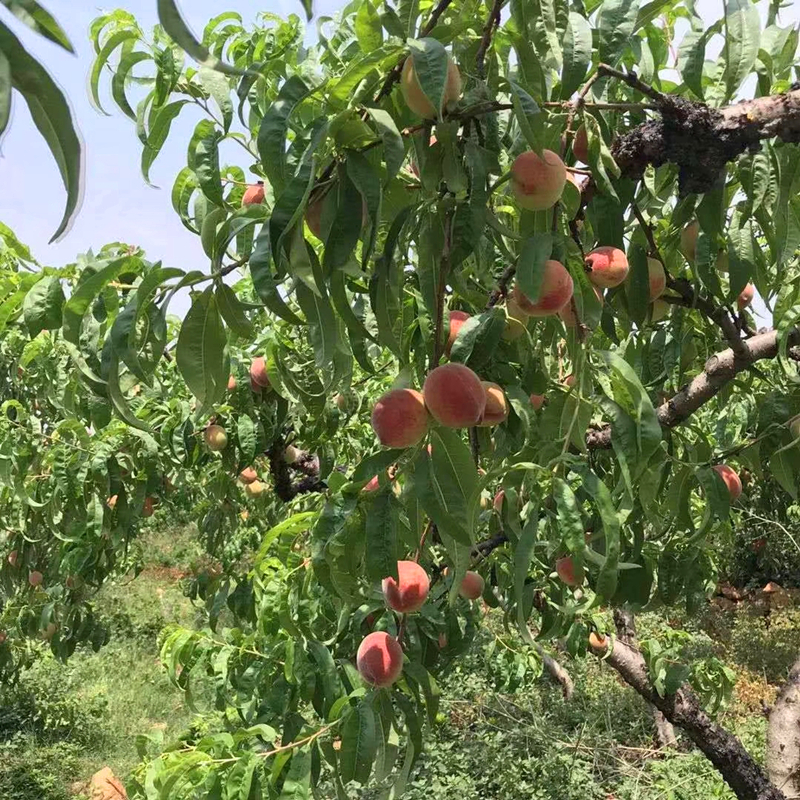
point(556, 671)
point(783, 737)
point(739, 769)
point(719, 370)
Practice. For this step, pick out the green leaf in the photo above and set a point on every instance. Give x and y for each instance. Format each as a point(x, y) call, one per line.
point(742, 35)
point(373, 62)
point(615, 22)
point(637, 287)
point(393, 150)
point(523, 555)
point(691, 56)
point(367, 181)
point(341, 239)
point(429, 687)
point(159, 131)
point(127, 63)
point(200, 353)
point(113, 42)
point(607, 579)
point(118, 398)
point(781, 465)
point(206, 162)
point(264, 282)
point(430, 66)
point(39, 20)
point(5, 93)
point(297, 785)
point(369, 31)
point(218, 87)
point(570, 520)
point(359, 743)
point(172, 22)
point(535, 251)
point(528, 115)
point(478, 338)
point(51, 115)
point(232, 312)
point(382, 520)
point(43, 304)
point(272, 132)
point(577, 54)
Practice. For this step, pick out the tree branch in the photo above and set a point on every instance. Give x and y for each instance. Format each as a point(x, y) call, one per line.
point(783, 737)
point(492, 22)
point(719, 370)
point(739, 769)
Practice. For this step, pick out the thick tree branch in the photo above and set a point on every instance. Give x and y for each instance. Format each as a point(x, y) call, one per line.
point(739, 769)
point(719, 370)
point(783, 737)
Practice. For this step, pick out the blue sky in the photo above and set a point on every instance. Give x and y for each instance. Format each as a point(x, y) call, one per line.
point(117, 204)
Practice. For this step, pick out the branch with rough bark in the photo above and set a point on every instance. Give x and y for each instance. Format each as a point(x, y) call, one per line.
point(719, 370)
point(698, 139)
point(739, 769)
point(783, 737)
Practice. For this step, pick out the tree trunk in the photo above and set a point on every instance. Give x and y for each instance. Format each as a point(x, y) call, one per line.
point(783, 737)
point(556, 671)
point(739, 769)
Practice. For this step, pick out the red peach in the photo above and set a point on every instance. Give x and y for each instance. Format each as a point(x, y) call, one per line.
point(248, 475)
point(497, 503)
point(231, 383)
point(580, 145)
point(657, 277)
point(417, 100)
point(148, 507)
point(457, 319)
point(112, 501)
point(341, 402)
point(746, 297)
point(35, 578)
point(216, 438)
point(538, 181)
point(496, 409)
point(565, 568)
point(537, 401)
point(731, 479)
point(253, 194)
point(454, 396)
point(410, 592)
point(50, 631)
point(372, 486)
point(399, 418)
point(13, 558)
point(380, 659)
point(471, 586)
point(258, 373)
point(608, 267)
point(689, 236)
point(556, 291)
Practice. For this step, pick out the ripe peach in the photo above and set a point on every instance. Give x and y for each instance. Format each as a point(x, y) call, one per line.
point(231, 383)
point(569, 381)
point(148, 507)
point(410, 592)
point(258, 373)
point(457, 319)
point(253, 194)
point(471, 586)
point(216, 438)
point(567, 315)
point(516, 320)
point(416, 99)
point(746, 297)
point(731, 480)
point(537, 401)
point(497, 503)
point(580, 145)
point(565, 568)
point(13, 558)
point(658, 278)
point(496, 409)
point(35, 578)
point(254, 489)
point(112, 501)
point(454, 396)
point(556, 291)
point(608, 267)
point(372, 486)
point(659, 310)
point(538, 181)
point(399, 418)
point(248, 475)
point(597, 641)
point(380, 659)
point(689, 236)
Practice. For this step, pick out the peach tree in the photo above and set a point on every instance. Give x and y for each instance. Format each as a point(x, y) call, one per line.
point(471, 318)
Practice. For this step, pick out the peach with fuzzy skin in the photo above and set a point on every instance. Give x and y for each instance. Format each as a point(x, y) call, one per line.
point(565, 569)
point(538, 181)
point(745, 297)
point(231, 383)
point(454, 396)
point(399, 418)
point(496, 409)
point(248, 475)
point(216, 438)
point(731, 478)
point(380, 659)
point(409, 592)
point(258, 373)
point(608, 267)
point(567, 314)
point(35, 578)
point(457, 319)
point(254, 489)
point(580, 145)
point(554, 295)
point(689, 236)
point(416, 99)
point(148, 507)
point(253, 195)
point(657, 278)
point(471, 586)
point(597, 641)
point(537, 401)
point(516, 320)
point(372, 486)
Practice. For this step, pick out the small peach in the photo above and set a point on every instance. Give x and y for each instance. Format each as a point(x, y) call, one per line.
point(555, 294)
point(537, 401)
point(254, 489)
point(608, 267)
point(496, 409)
point(248, 475)
point(732, 480)
point(416, 99)
point(745, 297)
point(471, 586)
point(580, 145)
point(538, 181)
point(457, 319)
point(516, 320)
point(35, 578)
point(399, 418)
point(258, 373)
point(253, 194)
point(380, 659)
point(565, 568)
point(657, 278)
point(569, 381)
point(216, 438)
point(689, 236)
point(497, 503)
point(410, 591)
point(148, 507)
point(597, 641)
point(231, 383)
point(454, 396)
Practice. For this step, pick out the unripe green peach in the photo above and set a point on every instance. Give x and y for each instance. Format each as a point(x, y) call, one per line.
point(556, 291)
point(608, 267)
point(380, 659)
point(416, 99)
point(454, 396)
point(216, 438)
point(399, 418)
point(538, 181)
point(659, 310)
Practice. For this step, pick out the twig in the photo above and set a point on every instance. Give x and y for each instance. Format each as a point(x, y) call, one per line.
point(502, 286)
point(632, 79)
point(492, 22)
point(444, 268)
point(565, 104)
